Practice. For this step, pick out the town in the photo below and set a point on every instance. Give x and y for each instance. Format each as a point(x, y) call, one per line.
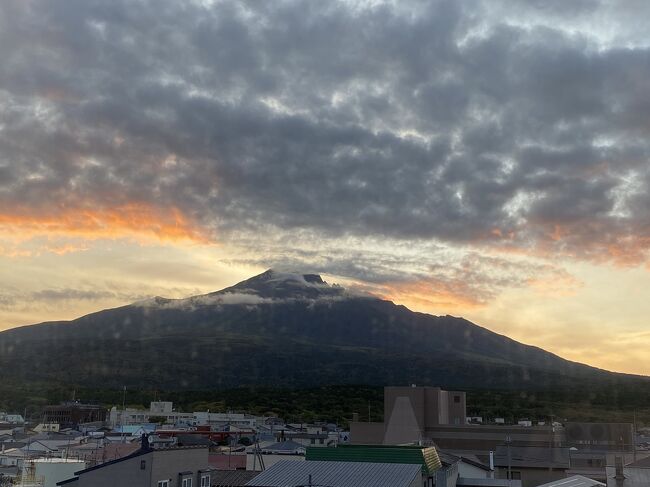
point(426, 439)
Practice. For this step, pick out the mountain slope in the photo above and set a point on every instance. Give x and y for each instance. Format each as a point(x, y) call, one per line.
point(280, 330)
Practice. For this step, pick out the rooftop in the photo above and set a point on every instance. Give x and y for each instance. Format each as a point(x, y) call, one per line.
point(574, 481)
point(532, 457)
point(340, 474)
point(426, 457)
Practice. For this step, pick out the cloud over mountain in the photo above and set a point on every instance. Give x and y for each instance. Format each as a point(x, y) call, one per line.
point(430, 120)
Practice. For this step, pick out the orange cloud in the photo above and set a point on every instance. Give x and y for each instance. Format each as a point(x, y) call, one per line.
point(138, 221)
point(593, 241)
point(433, 295)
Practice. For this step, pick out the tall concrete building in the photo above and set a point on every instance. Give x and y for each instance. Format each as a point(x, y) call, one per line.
point(409, 412)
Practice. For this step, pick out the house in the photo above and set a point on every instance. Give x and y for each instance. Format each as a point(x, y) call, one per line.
point(258, 459)
point(457, 471)
point(339, 474)
point(469, 466)
point(169, 467)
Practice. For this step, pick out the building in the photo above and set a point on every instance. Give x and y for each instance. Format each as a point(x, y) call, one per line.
point(231, 478)
point(634, 474)
point(532, 465)
point(11, 418)
point(617, 437)
point(71, 414)
point(409, 412)
point(595, 445)
point(265, 456)
point(169, 467)
point(418, 416)
point(157, 409)
point(430, 414)
point(46, 472)
point(239, 420)
point(165, 409)
point(339, 474)
point(469, 466)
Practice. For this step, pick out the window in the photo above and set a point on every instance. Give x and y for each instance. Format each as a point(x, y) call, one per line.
point(515, 476)
point(457, 399)
point(163, 483)
point(187, 482)
point(205, 481)
point(143, 464)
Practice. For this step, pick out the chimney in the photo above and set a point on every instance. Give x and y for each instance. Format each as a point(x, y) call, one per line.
point(618, 464)
point(145, 446)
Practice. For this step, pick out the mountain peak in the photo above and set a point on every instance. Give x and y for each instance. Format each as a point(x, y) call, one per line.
point(277, 284)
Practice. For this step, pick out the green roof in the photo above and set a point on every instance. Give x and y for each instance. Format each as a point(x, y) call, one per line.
point(418, 455)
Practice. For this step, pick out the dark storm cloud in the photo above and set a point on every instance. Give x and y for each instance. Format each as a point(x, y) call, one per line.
point(409, 121)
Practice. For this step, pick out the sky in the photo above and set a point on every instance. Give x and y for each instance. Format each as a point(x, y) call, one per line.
point(485, 159)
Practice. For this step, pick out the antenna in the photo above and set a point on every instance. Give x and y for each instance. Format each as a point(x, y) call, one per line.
point(122, 415)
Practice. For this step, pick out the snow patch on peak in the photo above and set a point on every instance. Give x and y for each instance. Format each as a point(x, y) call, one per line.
point(267, 288)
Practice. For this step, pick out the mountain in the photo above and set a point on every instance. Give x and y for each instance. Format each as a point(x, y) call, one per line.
point(280, 329)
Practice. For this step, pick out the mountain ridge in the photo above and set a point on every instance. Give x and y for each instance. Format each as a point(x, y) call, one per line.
point(285, 330)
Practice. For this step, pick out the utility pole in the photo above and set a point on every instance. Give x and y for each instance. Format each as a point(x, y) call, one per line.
point(122, 415)
point(634, 434)
point(508, 442)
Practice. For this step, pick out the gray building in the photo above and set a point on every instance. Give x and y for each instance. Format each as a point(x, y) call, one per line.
point(409, 412)
point(169, 467)
point(635, 474)
point(617, 437)
point(532, 465)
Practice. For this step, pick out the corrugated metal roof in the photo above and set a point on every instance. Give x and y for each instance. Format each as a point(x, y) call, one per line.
point(339, 474)
point(426, 457)
point(574, 481)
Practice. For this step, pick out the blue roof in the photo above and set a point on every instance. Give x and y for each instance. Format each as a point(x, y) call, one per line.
point(132, 428)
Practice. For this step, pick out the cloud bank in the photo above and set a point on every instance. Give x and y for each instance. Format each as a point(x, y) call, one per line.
point(437, 120)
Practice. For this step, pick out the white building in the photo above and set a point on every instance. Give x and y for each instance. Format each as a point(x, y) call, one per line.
point(165, 409)
point(157, 409)
point(11, 418)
